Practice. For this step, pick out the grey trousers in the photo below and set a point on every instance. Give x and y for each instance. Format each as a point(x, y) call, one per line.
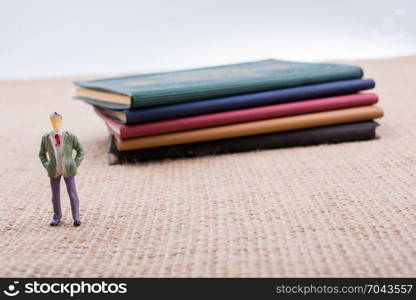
point(56, 197)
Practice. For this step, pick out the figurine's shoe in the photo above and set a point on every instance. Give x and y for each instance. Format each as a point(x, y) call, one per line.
point(55, 222)
point(77, 223)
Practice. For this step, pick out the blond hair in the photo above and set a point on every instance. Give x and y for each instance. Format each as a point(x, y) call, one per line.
point(55, 114)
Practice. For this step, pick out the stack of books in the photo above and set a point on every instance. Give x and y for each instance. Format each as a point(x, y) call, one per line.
point(231, 108)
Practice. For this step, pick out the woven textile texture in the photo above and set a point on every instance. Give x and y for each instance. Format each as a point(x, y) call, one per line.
point(330, 210)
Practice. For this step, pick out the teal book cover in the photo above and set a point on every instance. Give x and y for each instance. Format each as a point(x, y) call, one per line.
point(155, 89)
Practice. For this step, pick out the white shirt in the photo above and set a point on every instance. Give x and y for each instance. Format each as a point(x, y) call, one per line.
point(58, 149)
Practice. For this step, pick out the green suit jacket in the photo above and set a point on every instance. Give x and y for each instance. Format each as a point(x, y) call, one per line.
point(70, 164)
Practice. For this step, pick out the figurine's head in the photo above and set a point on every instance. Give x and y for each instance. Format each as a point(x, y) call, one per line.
point(56, 120)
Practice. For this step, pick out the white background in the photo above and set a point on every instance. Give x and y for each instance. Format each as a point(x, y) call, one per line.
point(60, 38)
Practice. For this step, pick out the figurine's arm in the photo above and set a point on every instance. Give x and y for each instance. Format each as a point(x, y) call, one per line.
point(80, 152)
point(42, 154)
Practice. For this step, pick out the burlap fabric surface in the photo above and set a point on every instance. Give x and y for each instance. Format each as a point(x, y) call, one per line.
point(330, 210)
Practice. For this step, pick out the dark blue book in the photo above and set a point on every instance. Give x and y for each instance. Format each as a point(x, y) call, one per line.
point(186, 109)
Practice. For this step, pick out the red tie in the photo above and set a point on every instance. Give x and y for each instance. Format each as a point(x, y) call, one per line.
point(58, 140)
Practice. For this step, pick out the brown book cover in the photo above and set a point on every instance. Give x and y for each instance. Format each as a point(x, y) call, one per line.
point(349, 115)
point(312, 136)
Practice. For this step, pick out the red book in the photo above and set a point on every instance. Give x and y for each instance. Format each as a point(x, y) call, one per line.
point(124, 131)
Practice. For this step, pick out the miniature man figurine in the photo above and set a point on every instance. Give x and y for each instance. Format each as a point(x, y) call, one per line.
point(59, 145)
